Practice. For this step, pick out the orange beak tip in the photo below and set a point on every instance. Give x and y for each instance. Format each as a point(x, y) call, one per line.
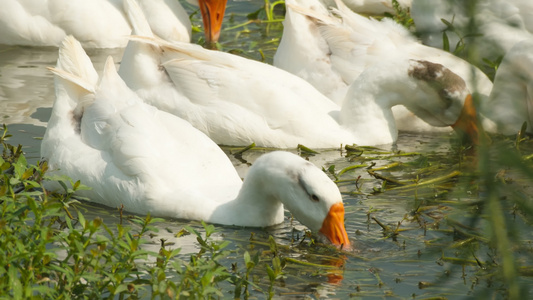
point(467, 122)
point(333, 227)
point(212, 16)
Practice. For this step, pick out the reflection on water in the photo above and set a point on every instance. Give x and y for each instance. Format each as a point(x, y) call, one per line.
point(25, 83)
point(384, 263)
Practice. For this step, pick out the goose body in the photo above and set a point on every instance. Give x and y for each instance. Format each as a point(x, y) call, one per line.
point(135, 155)
point(332, 48)
point(237, 101)
point(511, 100)
point(373, 7)
point(500, 24)
point(98, 23)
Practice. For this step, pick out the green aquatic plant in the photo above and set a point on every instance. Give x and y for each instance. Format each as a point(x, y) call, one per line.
point(253, 35)
point(269, 11)
point(472, 208)
point(401, 15)
point(49, 248)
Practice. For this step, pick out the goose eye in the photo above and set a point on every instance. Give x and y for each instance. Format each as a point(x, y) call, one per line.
point(446, 97)
point(308, 190)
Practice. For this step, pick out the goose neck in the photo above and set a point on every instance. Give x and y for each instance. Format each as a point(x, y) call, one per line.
point(256, 205)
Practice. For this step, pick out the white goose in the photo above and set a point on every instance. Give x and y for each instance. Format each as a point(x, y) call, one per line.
point(373, 7)
point(98, 23)
point(500, 24)
point(237, 101)
point(511, 100)
point(332, 49)
point(150, 161)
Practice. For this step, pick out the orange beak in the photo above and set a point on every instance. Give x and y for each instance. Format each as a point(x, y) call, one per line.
point(333, 226)
point(212, 15)
point(467, 122)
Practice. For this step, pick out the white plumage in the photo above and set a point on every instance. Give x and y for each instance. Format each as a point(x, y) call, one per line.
point(373, 7)
point(331, 49)
point(511, 100)
point(237, 101)
point(95, 23)
point(135, 155)
point(499, 24)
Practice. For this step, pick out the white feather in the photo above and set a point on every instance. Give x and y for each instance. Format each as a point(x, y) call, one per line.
point(130, 153)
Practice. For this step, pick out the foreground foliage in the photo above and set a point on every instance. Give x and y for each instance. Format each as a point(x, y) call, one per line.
point(50, 252)
point(49, 249)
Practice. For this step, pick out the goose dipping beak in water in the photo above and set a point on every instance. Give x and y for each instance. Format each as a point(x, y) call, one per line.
point(238, 101)
point(212, 16)
point(448, 86)
point(331, 47)
point(132, 154)
point(466, 125)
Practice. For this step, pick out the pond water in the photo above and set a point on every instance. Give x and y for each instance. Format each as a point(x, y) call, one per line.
point(410, 242)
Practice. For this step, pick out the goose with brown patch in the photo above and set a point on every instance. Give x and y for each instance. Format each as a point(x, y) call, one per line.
point(237, 101)
point(331, 47)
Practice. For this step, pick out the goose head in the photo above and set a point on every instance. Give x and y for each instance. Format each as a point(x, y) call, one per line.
point(305, 190)
point(429, 90)
point(448, 101)
point(212, 16)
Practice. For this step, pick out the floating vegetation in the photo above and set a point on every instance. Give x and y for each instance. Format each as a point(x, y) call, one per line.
point(306, 150)
point(254, 35)
point(239, 152)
